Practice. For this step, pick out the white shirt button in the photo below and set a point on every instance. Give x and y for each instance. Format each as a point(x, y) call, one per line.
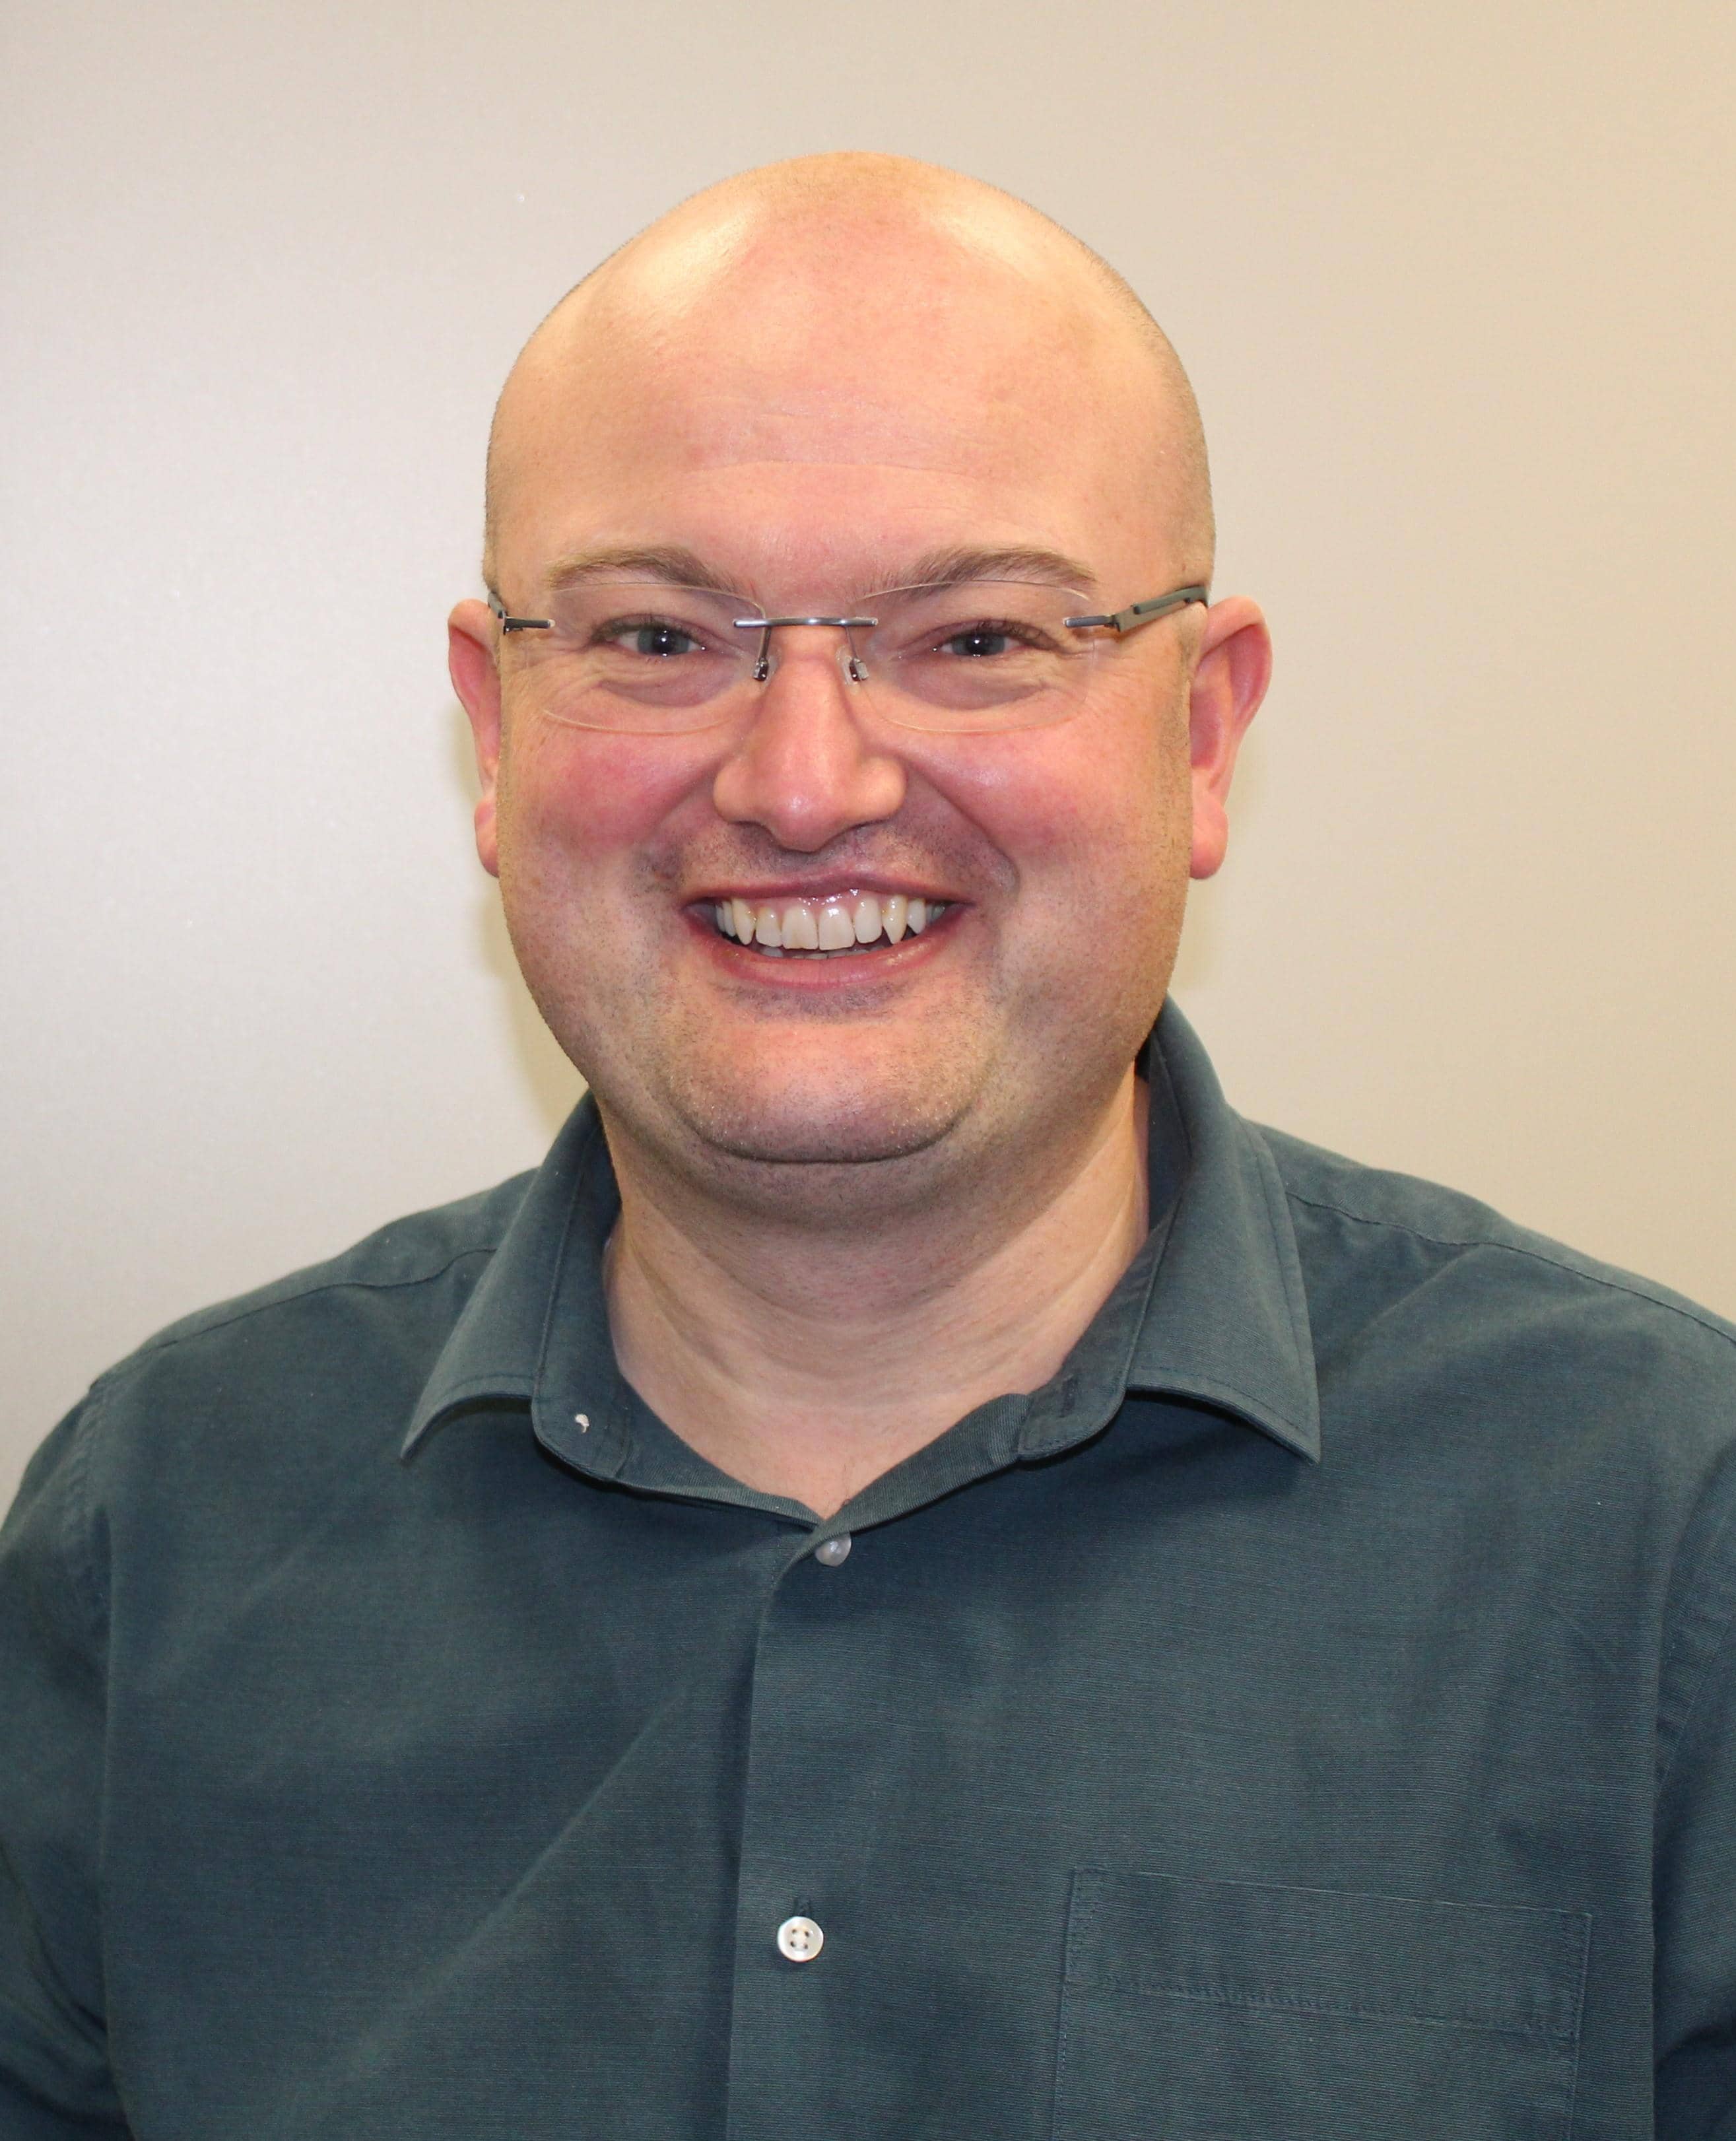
point(832, 1552)
point(800, 1940)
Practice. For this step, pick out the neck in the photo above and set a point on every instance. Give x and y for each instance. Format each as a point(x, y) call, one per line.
point(806, 1364)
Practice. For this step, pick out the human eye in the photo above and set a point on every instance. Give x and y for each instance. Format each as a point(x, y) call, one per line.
point(639, 643)
point(984, 624)
point(648, 637)
point(969, 647)
point(988, 639)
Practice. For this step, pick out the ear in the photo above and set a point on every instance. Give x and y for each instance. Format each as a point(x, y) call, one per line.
point(470, 662)
point(1231, 673)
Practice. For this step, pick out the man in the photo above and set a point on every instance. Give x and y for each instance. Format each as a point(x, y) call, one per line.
point(920, 1577)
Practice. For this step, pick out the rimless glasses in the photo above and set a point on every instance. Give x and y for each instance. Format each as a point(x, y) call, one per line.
point(975, 655)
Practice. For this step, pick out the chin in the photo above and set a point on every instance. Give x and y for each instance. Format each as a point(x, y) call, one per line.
point(792, 1122)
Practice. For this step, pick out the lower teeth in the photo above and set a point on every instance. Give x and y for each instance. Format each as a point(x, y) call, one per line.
point(843, 951)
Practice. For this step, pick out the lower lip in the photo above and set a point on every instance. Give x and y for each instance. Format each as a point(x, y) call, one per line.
point(861, 970)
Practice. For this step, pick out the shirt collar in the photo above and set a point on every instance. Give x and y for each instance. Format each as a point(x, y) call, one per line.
point(498, 1348)
point(1212, 1310)
point(1226, 1319)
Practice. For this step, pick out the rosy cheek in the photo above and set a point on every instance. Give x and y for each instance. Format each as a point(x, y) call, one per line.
point(1060, 794)
point(597, 793)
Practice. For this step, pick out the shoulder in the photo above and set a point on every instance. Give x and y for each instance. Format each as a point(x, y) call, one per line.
point(310, 1364)
point(1389, 1261)
point(1383, 1216)
point(1568, 1427)
point(408, 1257)
point(240, 1421)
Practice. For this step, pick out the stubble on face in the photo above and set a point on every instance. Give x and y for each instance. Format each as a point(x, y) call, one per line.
point(827, 1118)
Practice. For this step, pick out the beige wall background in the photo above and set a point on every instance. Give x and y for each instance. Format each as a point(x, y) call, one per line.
point(1453, 280)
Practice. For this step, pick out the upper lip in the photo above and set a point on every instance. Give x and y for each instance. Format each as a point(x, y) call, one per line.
point(764, 892)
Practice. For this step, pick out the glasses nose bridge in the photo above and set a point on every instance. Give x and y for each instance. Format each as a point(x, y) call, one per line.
point(855, 667)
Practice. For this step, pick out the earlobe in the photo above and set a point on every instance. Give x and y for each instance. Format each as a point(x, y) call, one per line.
point(1231, 673)
point(475, 678)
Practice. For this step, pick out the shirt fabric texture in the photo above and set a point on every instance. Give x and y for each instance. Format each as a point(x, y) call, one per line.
point(1308, 1715)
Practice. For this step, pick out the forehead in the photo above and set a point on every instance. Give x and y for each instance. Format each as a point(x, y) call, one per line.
point(900, 387)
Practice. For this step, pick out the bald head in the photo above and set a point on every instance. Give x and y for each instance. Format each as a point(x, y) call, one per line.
point(838, 285)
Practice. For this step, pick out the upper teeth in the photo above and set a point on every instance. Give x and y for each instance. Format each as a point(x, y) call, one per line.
point(837, 924)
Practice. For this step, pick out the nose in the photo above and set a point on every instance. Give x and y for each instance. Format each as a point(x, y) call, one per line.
point(806, 769)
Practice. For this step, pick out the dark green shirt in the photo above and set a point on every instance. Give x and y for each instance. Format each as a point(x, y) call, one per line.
point(1309, 1717)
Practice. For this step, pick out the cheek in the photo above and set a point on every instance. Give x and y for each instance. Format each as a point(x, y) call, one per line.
point(573, 800)
point(1102, 796)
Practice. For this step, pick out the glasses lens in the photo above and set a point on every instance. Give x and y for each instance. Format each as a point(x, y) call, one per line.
point(645, 657)
point(987, 654)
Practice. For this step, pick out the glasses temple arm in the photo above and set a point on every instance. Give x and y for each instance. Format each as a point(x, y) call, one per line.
point(518, 624)
point(1144, 613)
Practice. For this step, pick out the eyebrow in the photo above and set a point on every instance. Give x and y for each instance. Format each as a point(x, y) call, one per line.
point(955, 566)
point(669, 563)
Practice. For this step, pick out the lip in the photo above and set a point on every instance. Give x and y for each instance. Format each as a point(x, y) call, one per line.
point(764, 892)
point(806, 976)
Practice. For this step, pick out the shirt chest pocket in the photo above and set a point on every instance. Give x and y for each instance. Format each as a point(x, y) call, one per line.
point(1222, 2011)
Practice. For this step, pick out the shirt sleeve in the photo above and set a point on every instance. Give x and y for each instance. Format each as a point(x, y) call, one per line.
point(54, 2080)
point(1694, 1912)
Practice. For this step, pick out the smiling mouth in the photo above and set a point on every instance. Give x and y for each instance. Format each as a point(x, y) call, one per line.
point(841, 927)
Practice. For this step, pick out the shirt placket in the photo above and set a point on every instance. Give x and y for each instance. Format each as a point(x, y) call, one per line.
point(798, 1901)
